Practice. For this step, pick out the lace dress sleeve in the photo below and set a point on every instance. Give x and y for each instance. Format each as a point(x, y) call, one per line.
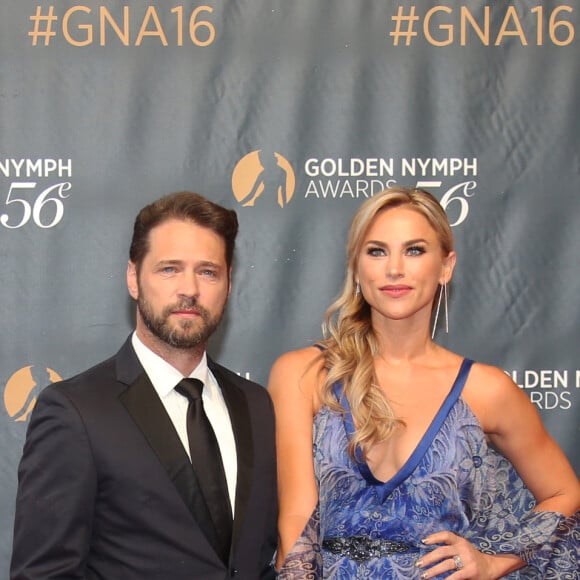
point(304, 561)
point(558, 557)
point(503, 521)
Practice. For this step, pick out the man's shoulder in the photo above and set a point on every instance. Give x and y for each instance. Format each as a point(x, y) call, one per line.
point(97, 372)
point(94, 378)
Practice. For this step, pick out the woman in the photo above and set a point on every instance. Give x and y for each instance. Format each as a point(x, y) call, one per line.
point(403, 479)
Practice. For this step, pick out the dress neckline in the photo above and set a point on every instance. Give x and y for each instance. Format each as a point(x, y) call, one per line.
point(424, 443)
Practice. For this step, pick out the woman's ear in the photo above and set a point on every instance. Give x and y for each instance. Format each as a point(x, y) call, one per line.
point(448, 267)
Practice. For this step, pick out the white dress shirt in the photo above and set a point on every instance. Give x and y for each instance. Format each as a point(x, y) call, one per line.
point(164, 378)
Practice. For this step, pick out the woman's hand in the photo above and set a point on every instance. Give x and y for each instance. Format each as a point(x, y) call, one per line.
point(455, 554)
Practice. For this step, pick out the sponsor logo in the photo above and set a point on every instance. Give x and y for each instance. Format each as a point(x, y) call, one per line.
point(263, 178)
point(260, 178)
point(23, 387)
point(34, 192)
point(548, 389)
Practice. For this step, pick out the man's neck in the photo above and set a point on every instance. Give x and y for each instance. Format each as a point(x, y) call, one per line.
point(184, 360)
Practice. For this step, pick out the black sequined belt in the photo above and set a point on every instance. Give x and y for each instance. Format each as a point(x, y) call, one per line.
point(360, 548)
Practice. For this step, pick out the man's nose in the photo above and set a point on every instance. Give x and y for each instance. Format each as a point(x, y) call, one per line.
point(189, 284)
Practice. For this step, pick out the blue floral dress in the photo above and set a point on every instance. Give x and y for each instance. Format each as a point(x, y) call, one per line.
point(365, 528)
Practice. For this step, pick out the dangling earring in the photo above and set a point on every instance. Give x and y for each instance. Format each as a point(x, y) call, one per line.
point(446, 308)
point(357, 289)
point(442, 293)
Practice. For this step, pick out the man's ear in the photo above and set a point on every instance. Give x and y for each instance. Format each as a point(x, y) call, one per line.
point(230, 282)
point(132, 283)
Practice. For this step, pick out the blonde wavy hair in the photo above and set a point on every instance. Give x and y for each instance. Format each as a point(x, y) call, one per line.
point(349, 341)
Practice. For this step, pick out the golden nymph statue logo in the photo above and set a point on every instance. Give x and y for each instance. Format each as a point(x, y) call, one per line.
point(261, 179)
point(23, 388)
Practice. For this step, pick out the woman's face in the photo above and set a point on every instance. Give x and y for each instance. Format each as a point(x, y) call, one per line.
point(401, 264)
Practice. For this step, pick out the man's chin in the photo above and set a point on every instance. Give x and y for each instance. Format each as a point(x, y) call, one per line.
point(185, 341)
point(184, 345)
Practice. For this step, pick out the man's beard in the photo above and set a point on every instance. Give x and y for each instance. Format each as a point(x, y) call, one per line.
point(184, 334)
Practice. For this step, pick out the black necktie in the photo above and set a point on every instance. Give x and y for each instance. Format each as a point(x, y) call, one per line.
point(207, 462)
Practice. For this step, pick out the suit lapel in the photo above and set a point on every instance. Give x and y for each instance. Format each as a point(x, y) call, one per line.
point(241, 424)
point(147, 410)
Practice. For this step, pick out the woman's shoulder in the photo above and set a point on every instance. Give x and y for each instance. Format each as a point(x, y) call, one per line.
point(491, 380)
point(298, 370)
point(302, 357)
point(489, 391)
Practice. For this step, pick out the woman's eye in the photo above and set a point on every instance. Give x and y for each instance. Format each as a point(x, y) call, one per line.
point(415, 250)
point(376, 252)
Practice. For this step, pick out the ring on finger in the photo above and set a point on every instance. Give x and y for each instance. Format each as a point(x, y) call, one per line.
point(458, 563)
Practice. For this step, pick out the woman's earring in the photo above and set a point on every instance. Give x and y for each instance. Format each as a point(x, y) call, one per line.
point(357, 289)
point(442, 294)
point(446, 308)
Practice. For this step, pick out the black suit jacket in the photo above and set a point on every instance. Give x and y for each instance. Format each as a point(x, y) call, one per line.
point(106, 490)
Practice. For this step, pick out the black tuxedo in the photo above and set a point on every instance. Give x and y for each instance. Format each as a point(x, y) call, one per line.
point(106, 490)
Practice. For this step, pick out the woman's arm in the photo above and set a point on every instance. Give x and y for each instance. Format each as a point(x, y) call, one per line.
point(293, 386)
point(515, 428)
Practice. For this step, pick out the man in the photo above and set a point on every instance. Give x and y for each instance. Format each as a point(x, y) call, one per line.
point(106, 487)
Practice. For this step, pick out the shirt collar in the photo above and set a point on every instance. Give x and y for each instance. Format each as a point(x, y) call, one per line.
point(162, 375)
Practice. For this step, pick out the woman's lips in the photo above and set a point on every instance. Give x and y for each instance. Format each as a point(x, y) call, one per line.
point(396, 291)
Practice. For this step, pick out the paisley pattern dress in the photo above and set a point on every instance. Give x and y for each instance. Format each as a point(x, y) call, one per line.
point(365, 528)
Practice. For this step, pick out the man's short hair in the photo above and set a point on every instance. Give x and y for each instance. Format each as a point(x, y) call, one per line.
point(186, 206)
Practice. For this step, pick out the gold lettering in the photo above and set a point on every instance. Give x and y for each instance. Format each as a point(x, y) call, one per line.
point(447, 27)
point(105, 16)
point(87, 27)
point(511, 14)
point(466, 16)
point(151, 14)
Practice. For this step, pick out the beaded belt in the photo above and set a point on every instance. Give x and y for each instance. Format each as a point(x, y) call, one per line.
point(360, 548)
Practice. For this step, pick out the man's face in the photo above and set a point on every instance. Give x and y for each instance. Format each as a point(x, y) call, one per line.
point(182, 285)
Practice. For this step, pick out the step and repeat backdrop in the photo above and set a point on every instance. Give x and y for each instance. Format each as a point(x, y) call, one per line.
point(293, 113)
